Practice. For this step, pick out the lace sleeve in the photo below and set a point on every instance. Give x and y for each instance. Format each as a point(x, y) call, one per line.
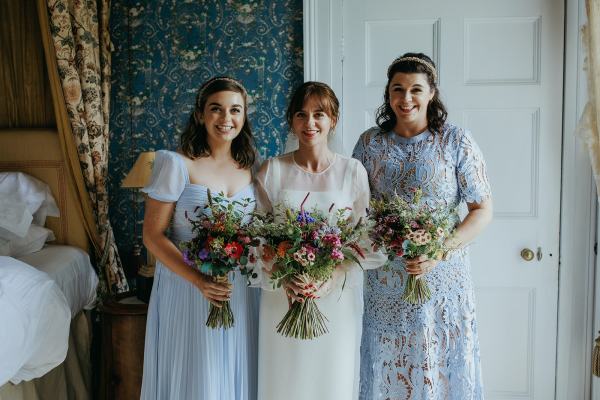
point(359, 149)
point(471, 172)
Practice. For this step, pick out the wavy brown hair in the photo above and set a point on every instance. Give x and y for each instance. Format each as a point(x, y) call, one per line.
point(436, 111)
point(193, 139)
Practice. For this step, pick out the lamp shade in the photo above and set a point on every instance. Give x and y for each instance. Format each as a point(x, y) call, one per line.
point(140, 174)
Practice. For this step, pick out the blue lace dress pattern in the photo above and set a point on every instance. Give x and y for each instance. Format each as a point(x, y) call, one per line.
point(428, 351)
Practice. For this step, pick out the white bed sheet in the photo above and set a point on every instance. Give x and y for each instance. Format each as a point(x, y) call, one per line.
point(39, 294)
point(34, 322)
point(71, 269)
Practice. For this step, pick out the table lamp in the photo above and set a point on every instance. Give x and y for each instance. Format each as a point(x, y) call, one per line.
point(137, 178)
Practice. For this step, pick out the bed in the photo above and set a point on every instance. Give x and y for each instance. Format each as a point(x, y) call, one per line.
point(45, 348)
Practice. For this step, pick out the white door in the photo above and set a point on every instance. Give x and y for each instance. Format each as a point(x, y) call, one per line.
point(500, 73)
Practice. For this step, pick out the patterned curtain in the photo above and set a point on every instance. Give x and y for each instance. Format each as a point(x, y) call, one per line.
point(589, 126)
point(81, 53)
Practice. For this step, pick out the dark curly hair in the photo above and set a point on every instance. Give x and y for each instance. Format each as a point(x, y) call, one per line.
point(193, 139)
point(436, 111)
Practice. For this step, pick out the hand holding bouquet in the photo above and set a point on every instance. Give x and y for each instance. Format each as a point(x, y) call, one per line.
point(410, 230)
point(220, 245)
point(306, 247)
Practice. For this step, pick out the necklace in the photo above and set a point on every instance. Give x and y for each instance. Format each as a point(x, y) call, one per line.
point(330, 160)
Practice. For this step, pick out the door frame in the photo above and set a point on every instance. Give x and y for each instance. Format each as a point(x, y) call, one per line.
point(323, 61)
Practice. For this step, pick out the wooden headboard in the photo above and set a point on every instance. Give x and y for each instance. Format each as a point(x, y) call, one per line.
point(37, 153)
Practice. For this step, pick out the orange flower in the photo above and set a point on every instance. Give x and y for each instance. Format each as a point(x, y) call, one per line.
point(267, 253)
point(282, 248)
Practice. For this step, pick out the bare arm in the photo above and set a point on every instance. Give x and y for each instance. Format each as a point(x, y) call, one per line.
point(479, 216)
point(156, 221)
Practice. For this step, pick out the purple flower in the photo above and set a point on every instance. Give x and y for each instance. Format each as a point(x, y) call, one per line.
point(186, 258)
point(203, 254)
point(304, 216)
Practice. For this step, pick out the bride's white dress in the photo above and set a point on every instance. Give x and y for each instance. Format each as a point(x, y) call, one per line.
point(325, 368)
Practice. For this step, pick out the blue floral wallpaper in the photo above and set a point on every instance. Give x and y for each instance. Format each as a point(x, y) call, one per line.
point(164, 50)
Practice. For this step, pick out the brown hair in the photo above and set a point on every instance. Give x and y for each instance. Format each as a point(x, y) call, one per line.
point(193, 138)
point(436, 111)
point(324, 95)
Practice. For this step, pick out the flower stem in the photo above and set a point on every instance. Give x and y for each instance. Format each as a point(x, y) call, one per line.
point(303, 321)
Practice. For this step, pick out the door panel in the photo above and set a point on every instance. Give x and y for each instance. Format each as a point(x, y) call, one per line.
point(500, 75)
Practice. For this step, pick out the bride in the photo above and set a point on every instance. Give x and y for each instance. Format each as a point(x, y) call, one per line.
point(325, 368)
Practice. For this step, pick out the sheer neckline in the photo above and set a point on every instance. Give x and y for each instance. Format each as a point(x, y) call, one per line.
point(335, 157)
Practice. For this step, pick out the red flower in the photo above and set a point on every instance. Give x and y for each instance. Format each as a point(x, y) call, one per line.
point(234, 250)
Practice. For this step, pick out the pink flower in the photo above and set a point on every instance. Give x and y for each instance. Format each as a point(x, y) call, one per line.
point(297, 256)
point(337, 255)
point(245, 239)
point(333, 240)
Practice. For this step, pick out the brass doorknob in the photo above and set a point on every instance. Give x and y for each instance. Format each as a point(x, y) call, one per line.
point(527, 254)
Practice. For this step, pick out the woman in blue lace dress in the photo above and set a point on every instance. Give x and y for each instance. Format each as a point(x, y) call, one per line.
point(426, 351)
point(183, 358)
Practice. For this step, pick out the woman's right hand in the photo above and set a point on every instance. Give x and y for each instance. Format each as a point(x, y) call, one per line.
point(214, 292)
point(296, 290)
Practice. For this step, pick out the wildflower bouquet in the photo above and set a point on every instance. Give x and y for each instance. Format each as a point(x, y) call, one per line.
point(219, 245)
point(409, 230)
point(308, 246)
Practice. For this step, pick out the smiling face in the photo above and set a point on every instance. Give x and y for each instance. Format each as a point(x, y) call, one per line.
point(312, 124)
point(223, 116)
point(409, 95)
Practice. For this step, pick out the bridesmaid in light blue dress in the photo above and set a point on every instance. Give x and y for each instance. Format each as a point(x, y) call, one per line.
point(183, 358)
point(428, 351)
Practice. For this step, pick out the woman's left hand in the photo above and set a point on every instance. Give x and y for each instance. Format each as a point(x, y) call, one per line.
point(419, 266)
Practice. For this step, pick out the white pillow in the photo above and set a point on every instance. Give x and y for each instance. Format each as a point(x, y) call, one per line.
point(33, 241)
point(15, 217)
point(33, 192)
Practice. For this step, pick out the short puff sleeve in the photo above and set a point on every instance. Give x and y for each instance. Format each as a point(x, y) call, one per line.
point(471, 173)
point(169, 176)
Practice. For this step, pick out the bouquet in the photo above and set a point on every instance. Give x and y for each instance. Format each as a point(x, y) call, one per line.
point(308, 246)
point(220, 245)
point(409, 230)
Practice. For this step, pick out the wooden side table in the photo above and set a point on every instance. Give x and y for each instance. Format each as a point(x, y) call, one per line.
point(122, 353)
